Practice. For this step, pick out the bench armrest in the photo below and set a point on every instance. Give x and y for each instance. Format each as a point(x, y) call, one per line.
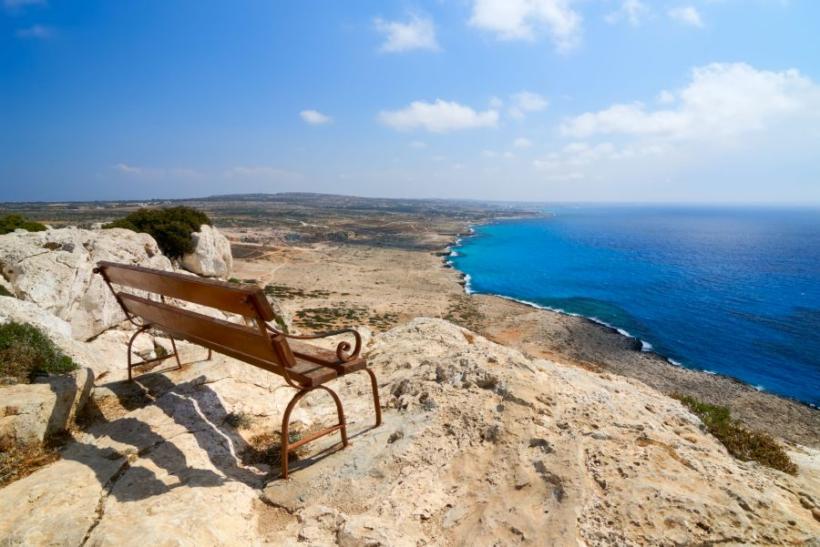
point(342, 348)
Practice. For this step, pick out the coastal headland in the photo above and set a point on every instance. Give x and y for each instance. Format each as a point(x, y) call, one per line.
point(339, 260)
point(502, 423)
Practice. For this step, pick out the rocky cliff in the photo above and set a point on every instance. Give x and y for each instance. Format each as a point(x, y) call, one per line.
point(480, 445)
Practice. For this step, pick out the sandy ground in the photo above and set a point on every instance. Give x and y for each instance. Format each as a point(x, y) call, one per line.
point(387, 286)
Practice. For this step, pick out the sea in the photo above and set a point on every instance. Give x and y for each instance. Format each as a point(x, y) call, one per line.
point(727, 290)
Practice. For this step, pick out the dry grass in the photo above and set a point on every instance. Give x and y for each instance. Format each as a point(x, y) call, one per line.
point(741, 443)
point(18, 461)
point(239, 420)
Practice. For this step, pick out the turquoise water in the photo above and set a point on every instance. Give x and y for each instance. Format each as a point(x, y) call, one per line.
point(735, 291)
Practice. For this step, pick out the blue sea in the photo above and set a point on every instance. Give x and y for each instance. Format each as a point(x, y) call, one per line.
point(734, 291)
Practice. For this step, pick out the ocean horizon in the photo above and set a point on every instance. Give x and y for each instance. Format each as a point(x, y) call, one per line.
point(730, 290)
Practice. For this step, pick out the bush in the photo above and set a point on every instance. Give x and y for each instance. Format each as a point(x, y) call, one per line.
point(9, 223)
point(741, 443)
point(171, 227)
point(26, 351)
point(4, 291)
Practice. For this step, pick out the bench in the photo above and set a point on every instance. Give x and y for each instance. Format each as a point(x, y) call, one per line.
point(303, 366)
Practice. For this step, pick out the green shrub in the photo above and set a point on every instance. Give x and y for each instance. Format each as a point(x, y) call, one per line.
point(741, 443)
point(9, 223)
point(4, 291)
point(26, 351)
point(171, 227)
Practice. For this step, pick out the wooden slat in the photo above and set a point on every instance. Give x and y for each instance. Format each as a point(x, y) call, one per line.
point(238, 341)
point(243, 300)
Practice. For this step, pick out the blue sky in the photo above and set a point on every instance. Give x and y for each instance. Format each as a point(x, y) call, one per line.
point(543, 100)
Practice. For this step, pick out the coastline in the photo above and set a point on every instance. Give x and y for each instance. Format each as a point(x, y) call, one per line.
point(787, 418)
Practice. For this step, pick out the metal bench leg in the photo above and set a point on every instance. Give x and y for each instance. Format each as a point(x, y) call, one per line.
point(132, 364)
point(131, 343)
point(375, 386)
point(176, 353)
point(287, 447)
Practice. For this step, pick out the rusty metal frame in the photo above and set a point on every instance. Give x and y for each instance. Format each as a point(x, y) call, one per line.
point(343, 353)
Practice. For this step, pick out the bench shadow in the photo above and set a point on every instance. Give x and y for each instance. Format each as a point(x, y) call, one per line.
point(195, 410)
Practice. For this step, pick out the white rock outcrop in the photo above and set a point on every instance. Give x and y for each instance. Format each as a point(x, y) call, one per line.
point(480, 445)
point(212, 256)
point(31, 413)
point(54, 270)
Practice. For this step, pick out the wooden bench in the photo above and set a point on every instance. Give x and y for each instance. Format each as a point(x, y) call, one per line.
point(304, 367)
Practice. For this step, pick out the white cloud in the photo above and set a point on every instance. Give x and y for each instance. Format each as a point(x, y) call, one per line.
point(155, 172)
point(722, 100)
point(495, 103)
point(522, 142)
point(35, 31)
point(526, 101)
point(666, 97)
point(687, 15)
point(730, 120)
point(125, 168)
point(417, 33)
point(314, 117)
point(418, 144)
point(438, 117)
point(523, 19)
point(632, 11)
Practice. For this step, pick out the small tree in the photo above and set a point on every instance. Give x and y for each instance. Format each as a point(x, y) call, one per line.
point(170, 227)
point(11, 222)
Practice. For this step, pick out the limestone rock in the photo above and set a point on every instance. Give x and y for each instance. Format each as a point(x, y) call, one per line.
point(577, 457)
point(33, 412)
point(53, 269)
point(212, 256)
point(20, 311)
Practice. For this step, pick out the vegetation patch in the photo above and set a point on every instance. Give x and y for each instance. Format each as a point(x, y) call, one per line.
point(283, 292)
point(171, 227)
point(464, 311)
point(4, 291)
point(239, 420)
point(9, 223)
point(18, 461)
point(25, 351)
point(343, 315)
point(741, 443)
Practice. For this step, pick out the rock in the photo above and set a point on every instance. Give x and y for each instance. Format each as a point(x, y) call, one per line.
point(59, 331)
point(212, 255)
point(162, 464)
point(58, 504)
point(53, 269)
point(20, 311)
point(366, 531)
point(31, 413)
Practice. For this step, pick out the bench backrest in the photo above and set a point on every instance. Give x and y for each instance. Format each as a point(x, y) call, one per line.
point(251, 344)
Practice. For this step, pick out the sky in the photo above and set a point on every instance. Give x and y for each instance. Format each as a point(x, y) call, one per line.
point(537, 100)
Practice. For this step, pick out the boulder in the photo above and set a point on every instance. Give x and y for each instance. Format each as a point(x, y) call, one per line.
point(212, 256)
point(20, 311)
point(30, 413)
point(54, 269)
